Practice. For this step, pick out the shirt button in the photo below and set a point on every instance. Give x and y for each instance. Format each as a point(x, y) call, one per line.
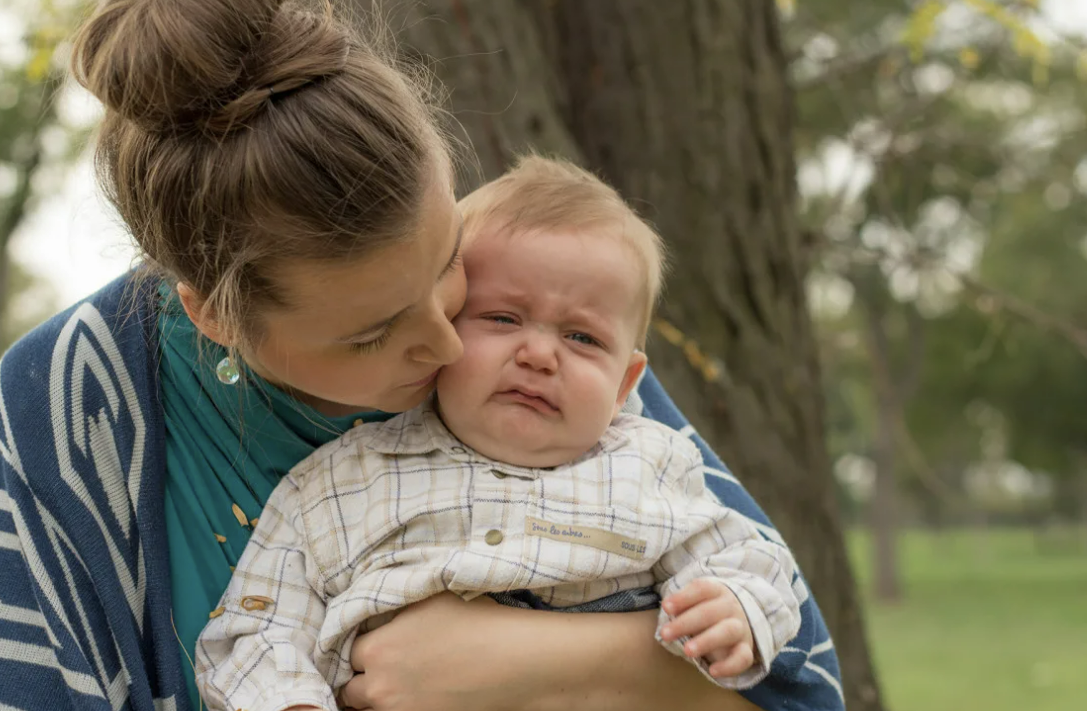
point(498, 474)
point(493, 537)
point(458, 450)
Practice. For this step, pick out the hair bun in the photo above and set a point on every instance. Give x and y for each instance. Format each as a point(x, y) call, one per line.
point(207, 64)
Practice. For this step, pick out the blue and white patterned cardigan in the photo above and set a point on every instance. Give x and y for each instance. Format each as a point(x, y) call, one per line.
point(84, 580)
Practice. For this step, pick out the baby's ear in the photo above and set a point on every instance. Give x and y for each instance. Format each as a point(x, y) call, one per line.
point(635, 368)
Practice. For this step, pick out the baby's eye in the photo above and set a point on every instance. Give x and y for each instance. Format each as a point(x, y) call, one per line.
point(584, 339)
point(501, 318)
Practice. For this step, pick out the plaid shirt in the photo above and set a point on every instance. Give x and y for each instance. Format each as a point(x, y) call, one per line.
point(395, 512)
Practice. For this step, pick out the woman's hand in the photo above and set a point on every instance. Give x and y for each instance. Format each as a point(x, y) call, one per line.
point(437, 655)
point(444, 654)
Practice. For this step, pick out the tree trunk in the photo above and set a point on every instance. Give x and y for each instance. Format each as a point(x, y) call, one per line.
point(883, 511)
point(684, 107)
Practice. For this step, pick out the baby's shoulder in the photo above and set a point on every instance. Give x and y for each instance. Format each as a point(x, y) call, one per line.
point(653, 441)
point(373, 441)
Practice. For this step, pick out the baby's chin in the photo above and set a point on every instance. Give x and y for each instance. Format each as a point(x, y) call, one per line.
point(522, 449)
point(524, 455)
point(513, 436)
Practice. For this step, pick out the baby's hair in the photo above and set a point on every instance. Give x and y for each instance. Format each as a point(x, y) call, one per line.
point(541, 194)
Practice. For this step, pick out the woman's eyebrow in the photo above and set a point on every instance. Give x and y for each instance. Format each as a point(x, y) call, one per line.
point(385, 323)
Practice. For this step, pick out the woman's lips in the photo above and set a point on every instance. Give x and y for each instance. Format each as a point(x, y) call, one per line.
point(424, 381)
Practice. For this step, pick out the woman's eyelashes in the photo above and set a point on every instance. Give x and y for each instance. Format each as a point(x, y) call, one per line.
point(453, 264)
point(374, 344)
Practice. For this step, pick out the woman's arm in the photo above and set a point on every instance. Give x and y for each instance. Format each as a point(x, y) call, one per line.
point(447, 655)
point(33, 677)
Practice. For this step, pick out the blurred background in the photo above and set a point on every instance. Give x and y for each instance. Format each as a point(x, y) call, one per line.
point(895, 195)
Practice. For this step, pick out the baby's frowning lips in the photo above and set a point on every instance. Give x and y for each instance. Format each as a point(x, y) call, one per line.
point(530, 398)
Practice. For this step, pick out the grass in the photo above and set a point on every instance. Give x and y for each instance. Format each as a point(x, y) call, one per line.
point(992, 621)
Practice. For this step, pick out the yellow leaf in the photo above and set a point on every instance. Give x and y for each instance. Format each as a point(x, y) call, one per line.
point(921, 26)
point(220, 537)
point(669, 332)
point(239, 514)
point(694, 354)
point(969, 57)
point(1040, 73)
point(256, 602)
point(37, 67)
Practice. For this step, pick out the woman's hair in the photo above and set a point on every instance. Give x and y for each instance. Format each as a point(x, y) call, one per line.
point(242, 134)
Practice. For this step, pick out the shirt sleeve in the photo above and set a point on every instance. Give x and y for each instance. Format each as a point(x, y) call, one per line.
point(725, 546)
point(257, 651)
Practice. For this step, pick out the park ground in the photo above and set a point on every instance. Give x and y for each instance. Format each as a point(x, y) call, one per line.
point(990, 620)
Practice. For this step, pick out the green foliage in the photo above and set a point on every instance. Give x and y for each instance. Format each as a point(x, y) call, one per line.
point(34, 302)
point(30, 138)
point(972, 129)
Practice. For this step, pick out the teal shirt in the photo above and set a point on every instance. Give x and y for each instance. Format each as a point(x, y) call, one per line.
point(226, 448)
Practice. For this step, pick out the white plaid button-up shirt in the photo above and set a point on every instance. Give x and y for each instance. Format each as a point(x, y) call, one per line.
point(392, 513)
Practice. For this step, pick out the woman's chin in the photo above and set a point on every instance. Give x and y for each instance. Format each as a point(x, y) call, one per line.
point(399, 400)
point(404, 401)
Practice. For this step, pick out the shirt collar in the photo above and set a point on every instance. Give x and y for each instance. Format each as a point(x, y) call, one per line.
point(421, 431)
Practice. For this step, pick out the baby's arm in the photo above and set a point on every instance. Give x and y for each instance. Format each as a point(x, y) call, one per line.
point(257, 653)
point(728, 598)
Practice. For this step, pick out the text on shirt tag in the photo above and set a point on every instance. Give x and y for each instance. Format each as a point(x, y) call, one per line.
point(585, 536)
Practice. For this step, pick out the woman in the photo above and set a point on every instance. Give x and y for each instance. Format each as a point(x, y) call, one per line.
point(292, 196)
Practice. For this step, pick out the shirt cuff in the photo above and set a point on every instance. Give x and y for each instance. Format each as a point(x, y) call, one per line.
point(761, 633)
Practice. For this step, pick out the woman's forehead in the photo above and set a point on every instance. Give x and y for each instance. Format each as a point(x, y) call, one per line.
point(375, 285)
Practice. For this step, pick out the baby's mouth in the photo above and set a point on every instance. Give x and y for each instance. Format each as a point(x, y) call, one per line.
point(530, 399)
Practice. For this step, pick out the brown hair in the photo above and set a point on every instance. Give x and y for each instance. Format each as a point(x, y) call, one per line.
point(242, 133)
point(540, 195)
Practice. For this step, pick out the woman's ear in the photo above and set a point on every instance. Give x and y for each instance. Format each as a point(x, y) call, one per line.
point(635, 368)
point(198, 312)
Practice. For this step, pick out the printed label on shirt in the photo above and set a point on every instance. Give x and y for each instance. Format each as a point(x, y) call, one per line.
point(583, 535)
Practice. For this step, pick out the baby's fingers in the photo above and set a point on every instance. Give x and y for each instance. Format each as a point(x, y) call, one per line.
point(718, 639)
point(697, 619)
point(735, 663)
point(692, 594)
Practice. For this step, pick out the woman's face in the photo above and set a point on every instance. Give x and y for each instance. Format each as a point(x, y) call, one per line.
point(370, 333)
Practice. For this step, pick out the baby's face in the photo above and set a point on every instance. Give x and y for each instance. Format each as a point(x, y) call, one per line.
point(549, 332)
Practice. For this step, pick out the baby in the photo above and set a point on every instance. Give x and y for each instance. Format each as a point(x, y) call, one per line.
point(521, 478)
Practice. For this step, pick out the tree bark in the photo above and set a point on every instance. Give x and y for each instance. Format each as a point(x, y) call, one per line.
point(684, 107)
point(883, 511)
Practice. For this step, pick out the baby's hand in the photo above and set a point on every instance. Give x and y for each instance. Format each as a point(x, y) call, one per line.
point(711, 615)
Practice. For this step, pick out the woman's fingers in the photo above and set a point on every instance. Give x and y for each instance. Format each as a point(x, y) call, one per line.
point(353, 694)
